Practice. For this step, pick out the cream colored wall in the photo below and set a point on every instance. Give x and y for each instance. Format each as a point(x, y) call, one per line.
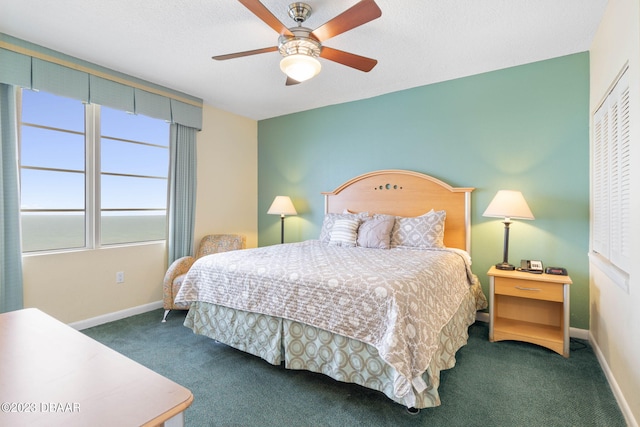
point(80, 285)
point(614, 312)
point(227, 200)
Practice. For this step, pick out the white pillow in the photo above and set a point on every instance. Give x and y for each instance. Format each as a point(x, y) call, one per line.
point(344, 232)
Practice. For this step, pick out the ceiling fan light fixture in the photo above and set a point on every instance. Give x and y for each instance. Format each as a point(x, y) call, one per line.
point(300, 67)
point(301, 47)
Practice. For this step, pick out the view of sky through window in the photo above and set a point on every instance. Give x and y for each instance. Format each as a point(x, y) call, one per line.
point(128, 158)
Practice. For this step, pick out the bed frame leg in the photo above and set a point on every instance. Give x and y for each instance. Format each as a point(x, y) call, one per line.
point(413, 411)
point(164, 318)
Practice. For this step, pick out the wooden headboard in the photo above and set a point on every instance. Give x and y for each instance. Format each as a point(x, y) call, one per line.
point(408, 194)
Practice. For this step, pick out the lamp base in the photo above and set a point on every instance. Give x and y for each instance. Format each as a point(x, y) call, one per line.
point(505, 266)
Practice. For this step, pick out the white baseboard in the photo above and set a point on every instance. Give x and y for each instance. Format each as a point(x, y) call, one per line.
point(582, 334)
point(110, 317)
point(622, 402)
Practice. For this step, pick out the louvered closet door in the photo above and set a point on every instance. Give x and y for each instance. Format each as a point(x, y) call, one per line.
point(612, 176)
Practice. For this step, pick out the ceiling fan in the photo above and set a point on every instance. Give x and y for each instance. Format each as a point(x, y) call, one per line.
point(300, 46)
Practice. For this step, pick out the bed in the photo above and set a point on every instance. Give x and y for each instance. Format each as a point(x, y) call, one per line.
point(383, 298)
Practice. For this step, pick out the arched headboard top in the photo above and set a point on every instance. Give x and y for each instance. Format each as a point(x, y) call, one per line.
point(408, 194)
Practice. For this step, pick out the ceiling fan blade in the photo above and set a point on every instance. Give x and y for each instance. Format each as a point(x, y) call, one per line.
point(266, 16)
point(349, 59)
point(291, 82)
point(360, 13)
point(245, 53)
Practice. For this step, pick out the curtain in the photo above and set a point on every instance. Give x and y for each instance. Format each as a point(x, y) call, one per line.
point(182, 191)
point(10, 249)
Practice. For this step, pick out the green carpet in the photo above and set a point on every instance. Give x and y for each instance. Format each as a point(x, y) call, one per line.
point(493, 384)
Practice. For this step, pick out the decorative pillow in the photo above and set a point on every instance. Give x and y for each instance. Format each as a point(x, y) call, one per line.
point(375, 232)
point(331, 218)
point(344, 232)
point(423, 232)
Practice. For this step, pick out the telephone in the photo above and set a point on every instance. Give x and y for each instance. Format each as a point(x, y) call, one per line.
point(531, 266)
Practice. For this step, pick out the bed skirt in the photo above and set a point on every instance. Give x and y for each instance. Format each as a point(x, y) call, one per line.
point(344, 359)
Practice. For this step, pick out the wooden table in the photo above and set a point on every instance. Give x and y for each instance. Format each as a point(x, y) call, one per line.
point(529, 307)
point(53, 375)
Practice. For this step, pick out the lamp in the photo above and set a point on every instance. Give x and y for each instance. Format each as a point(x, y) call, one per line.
point(508, 204)
point(300, 52)
point(282, 205)
point(300, 67)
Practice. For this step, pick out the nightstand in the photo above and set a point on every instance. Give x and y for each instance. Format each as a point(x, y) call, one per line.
point(528, 307)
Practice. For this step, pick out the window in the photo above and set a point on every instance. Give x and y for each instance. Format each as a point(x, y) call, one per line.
point(611, 183)
point(90, 175)
point(134, 158)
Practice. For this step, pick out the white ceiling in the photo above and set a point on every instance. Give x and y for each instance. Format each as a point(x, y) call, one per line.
point(419, 42)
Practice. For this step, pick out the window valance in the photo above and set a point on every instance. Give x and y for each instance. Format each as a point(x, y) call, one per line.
point(31, 68)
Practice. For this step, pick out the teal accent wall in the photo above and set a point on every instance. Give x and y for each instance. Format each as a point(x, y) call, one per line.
point(524, 128)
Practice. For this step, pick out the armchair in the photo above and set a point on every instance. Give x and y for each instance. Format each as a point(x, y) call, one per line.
point(210, 244)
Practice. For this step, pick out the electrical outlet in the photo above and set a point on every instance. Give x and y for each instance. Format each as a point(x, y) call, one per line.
point(120, 277)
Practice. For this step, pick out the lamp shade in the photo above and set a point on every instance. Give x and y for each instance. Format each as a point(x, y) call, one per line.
point(282, 205)
point(508, 204)
point(300, 67)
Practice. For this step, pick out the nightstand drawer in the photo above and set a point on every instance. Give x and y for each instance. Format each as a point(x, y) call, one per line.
point(529, 289)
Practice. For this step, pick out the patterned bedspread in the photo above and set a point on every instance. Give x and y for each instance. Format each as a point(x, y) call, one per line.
point(396, 300)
